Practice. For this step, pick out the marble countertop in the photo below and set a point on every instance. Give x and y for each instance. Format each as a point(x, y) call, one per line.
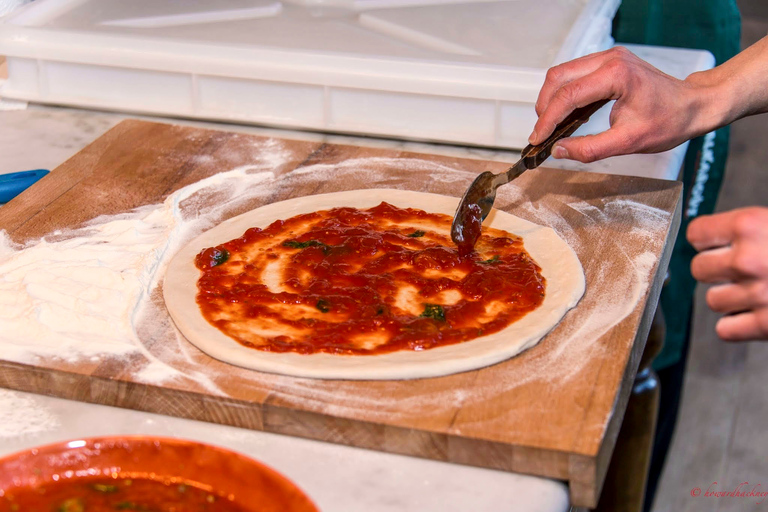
point(338, 478)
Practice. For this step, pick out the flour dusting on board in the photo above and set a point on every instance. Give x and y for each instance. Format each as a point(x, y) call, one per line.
point(623, 281)
point(79, 295)
point(20, 414)
point(93, 293)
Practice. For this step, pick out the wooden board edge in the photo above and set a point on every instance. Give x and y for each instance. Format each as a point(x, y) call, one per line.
point(129, 395)
point(284, 421)
point(425, 444)
point(587, 473)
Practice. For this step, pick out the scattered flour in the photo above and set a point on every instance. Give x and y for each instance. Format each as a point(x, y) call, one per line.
point(20, 415)
point(623, 280)
point(92, 293)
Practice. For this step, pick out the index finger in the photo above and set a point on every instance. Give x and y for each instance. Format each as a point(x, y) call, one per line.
point(710, 231)
point(561, 74)
point(579, 92)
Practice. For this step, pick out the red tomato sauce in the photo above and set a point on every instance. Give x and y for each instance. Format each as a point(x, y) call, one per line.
point(99, 494)
point(346, 266)
point(473, 222)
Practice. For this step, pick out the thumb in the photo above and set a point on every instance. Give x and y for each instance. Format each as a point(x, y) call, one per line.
point(589, 148)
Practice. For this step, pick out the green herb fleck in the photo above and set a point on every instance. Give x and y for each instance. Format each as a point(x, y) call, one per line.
point(493, 260)
point(433, 311)
point(182, 488)
point(380, 310)
point(105, 488)
point(323, 305)
point(294, 244)
point(72, 505)
point(219, 256)
point(128, 505)
point(417, 234)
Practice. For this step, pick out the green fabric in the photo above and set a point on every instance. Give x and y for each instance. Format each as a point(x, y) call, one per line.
point(713, 25)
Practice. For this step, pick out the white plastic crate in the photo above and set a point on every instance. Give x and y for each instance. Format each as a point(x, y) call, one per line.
point(446, 70)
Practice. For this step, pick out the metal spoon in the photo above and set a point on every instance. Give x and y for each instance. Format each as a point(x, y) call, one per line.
point(477, 201)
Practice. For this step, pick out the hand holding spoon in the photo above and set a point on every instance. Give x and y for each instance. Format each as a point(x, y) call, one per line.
point(477, 201)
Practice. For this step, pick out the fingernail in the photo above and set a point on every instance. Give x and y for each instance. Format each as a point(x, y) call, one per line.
point(559, 152)
point(532, 137)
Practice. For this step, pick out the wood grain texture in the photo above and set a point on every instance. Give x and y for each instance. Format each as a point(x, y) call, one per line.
point(625, 484)
point(554, 410)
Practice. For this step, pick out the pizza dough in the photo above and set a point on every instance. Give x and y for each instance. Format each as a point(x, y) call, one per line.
point(560, 267)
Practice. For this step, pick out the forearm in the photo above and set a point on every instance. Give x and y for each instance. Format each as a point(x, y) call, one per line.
point(653, 111)
point(735, 89)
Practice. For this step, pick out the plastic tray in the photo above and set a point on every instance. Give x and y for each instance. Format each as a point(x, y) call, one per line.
point(454, 71)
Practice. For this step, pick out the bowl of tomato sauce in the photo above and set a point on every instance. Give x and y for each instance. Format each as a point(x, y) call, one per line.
point(146, 474)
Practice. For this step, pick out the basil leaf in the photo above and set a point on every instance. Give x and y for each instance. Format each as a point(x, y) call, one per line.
point(433, 311)
point(295, 244)
point(323, 305)
point(219, 256)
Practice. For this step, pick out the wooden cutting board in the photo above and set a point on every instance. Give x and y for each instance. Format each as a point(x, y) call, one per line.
point(553, 411)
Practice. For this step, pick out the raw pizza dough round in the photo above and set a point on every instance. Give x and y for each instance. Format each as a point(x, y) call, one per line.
point(559, 265)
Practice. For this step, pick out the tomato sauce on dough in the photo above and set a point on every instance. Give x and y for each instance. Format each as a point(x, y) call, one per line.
point(364, 282)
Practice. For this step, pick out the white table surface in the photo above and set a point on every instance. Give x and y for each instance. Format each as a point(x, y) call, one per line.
point(338, 478)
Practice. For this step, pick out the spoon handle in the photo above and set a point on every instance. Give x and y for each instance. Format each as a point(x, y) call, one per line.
point(533, 156)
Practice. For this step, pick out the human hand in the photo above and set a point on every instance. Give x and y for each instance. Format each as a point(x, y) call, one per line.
point(653, 111)
point(734, 253)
